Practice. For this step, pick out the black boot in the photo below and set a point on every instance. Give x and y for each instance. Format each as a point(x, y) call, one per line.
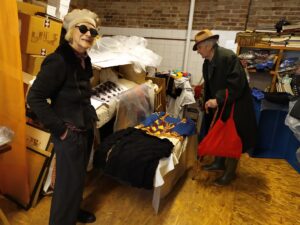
point(229, 174)
point(85, 217)
point(217, 165)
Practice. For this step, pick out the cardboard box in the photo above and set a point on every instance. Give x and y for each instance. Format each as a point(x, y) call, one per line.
point(34, 64)
point(24, 58)
point(30, 9)
point(37, 139)
point(128, 73)
point(39, 154)
point(27, 82)
point(36, 162)
point(39, 35)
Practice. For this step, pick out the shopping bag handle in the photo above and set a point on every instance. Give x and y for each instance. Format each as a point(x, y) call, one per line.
point(232, 108)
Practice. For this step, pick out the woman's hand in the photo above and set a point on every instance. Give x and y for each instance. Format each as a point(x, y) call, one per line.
point(211, 103)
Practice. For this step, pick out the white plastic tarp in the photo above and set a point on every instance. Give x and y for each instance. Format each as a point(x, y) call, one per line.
point(121, 50)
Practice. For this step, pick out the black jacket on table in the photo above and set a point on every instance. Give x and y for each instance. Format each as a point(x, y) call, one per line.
point(66, 83)
point(223, 72)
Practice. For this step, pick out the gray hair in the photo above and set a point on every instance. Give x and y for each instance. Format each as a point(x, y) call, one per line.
point(210, 42)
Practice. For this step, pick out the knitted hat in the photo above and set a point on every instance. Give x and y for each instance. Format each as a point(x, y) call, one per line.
point(202, 36)
point(79, 16)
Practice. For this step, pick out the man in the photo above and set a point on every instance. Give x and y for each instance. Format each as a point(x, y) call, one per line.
point(222, 70)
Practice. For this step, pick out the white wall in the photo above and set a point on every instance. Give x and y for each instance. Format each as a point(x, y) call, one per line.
point(170, 44)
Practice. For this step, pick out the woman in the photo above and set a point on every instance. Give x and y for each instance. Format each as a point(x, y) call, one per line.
point(222, 70)
point(64, 78)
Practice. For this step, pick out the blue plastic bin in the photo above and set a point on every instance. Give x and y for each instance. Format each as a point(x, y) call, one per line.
point(275, 139)
point(273, 135)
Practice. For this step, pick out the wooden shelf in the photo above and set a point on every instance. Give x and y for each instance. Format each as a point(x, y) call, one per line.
point(279, 56)
point(271, 72)
point(259, 46)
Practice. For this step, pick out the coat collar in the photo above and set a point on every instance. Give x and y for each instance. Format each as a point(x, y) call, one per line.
point(211, 65)
point(213, 61)
point(68, 53)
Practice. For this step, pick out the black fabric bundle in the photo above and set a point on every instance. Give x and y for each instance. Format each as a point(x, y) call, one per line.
point(282, 98)
point(132, 156)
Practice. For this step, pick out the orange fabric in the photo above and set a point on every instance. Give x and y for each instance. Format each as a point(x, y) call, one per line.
point(13, 164)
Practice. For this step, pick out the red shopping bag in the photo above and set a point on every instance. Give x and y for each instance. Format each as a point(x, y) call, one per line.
point(222, 139)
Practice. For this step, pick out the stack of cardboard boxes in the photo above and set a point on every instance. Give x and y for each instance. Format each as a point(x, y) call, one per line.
point(39, 35)
point(58, 8)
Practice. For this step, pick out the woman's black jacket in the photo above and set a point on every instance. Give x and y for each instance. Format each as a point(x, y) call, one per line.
point(64, 81)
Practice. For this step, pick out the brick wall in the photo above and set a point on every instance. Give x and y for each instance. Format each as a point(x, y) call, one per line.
point(173, 14)
point(220, 14)
point(268, 12)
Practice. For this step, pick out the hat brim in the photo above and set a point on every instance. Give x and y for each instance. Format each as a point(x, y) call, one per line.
point(216, 36)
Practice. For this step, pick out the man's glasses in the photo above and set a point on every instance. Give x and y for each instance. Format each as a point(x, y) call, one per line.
point(83, 29)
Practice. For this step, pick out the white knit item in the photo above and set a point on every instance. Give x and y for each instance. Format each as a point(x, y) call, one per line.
point(77, 16)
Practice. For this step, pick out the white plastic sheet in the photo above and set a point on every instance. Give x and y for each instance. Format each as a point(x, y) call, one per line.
point(292, 122)
point(6, 135)
point(121, 50)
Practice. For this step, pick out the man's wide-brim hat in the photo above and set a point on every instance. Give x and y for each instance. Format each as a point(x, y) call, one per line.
point(202, 36)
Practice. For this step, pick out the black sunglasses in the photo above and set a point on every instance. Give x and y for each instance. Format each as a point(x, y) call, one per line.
point(83, 29)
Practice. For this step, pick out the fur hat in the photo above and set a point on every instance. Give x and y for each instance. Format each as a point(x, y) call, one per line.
point(79, 16)
point(202, 36)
